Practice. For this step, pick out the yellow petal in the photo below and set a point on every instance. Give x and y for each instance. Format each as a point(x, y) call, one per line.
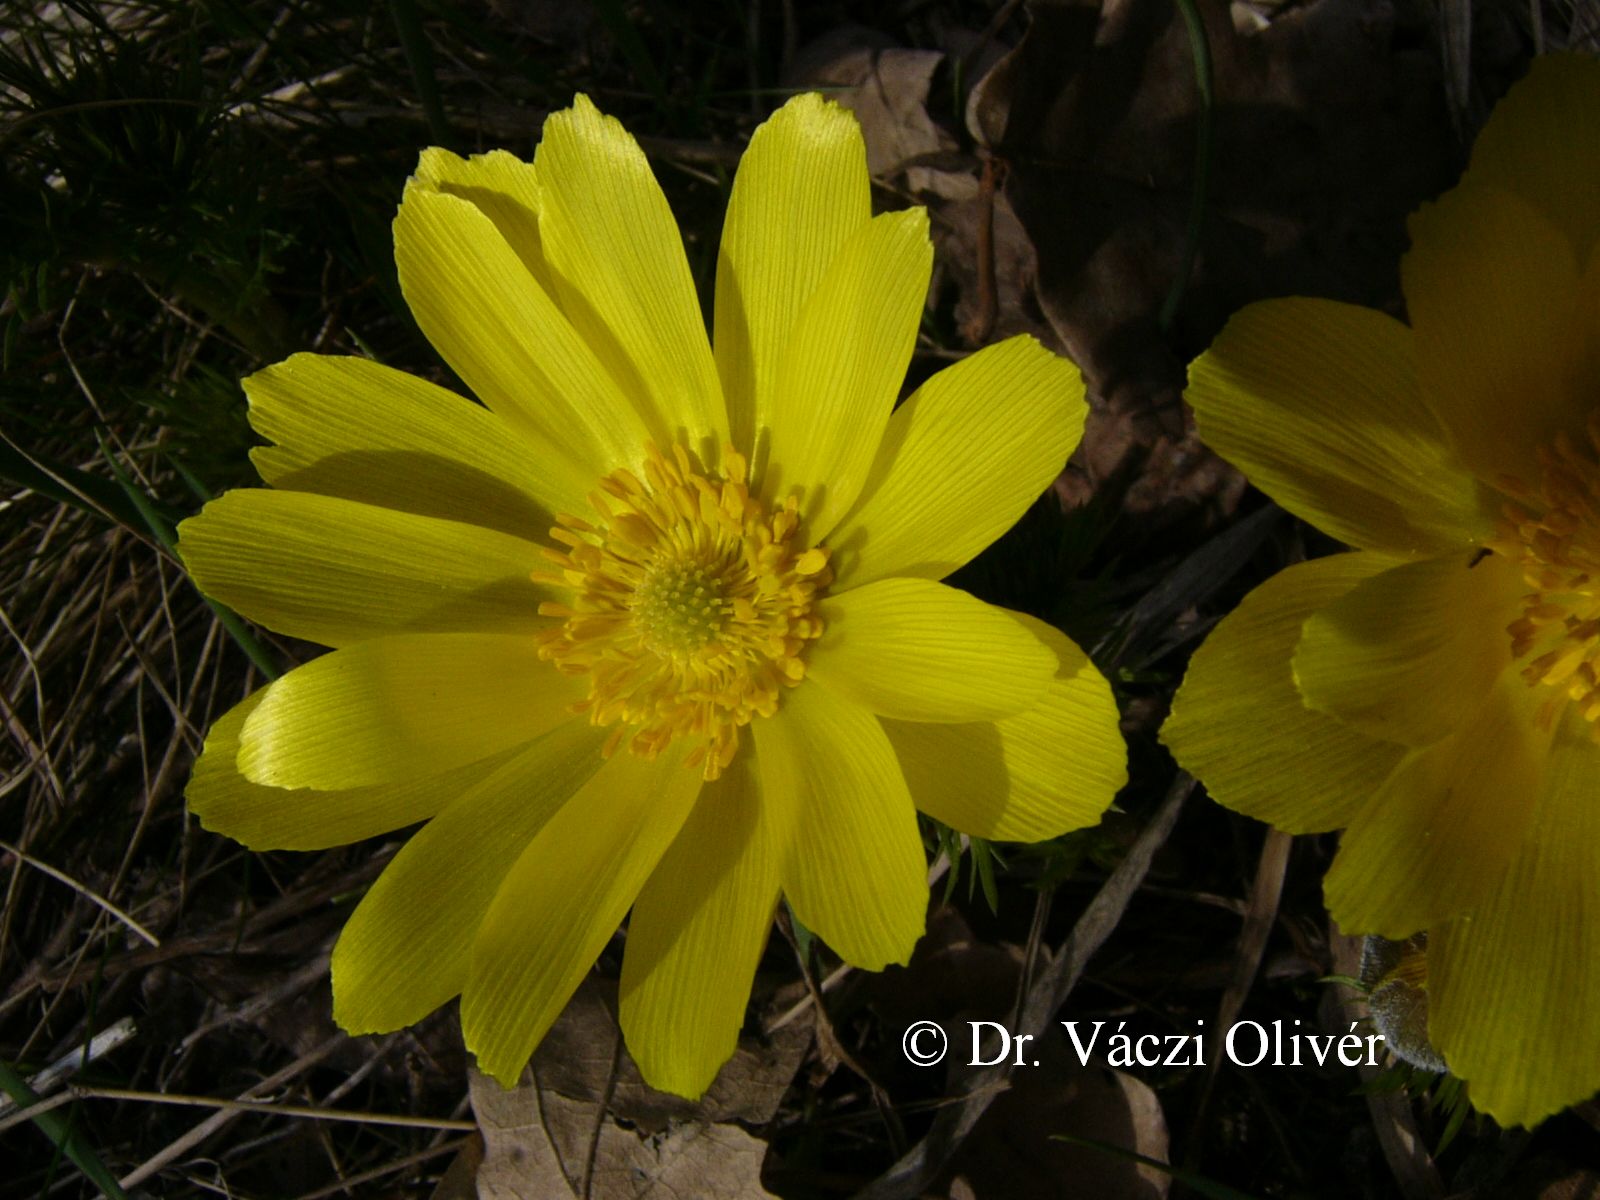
point(960, 462)
point(562, 901)
point(1052, 767)
point(621, 275)
point(1487, 280)
point(501, 186)
point(1580, 351)
point(1543, 143)
point(492, 322)
point(1409, 654)
point(1318, 403)
point(854, 869)
point(801, 190)
point(921, 651)
point(268, 818)
point(842, 368)
point(1238, 725)
point(353, 428)
point(335, 571)
point(385, 710)
point(406, 948)
point(696, 935)
point(1514, 985)
point(1436, 838)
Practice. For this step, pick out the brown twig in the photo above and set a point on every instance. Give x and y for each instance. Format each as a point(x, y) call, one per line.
point(917, 1169)
point(829, 1037)
point(218, 1120)
point(987, 309)
point(1259, 915)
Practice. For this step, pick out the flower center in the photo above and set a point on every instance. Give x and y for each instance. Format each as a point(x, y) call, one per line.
point(691, 603)
point(1553, 532)
point(679, 606)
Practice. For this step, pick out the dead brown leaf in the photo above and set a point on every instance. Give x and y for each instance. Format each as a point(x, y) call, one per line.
point(584, 1124)
point(459, 1179)
point(539, 1145)
point(1014, 1154)
point(1326, 136)
point(886, 86)
point(1330, 126)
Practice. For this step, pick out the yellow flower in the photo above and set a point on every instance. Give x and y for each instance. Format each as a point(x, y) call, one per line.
point(655, 628)
point(1436, 693)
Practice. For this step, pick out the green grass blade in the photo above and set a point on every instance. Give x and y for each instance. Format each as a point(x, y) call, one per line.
point(418, 50)
point(66, 485)
point(67, 1140)
point(163, 532)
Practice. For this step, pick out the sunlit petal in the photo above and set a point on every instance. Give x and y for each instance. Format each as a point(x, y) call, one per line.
point(501, 186)
point(385, 710)
point(1046, 770)
point(353, 428)
point(406, 948)
point(854, 869)
point(961, 461)
point(562, 900)
point(490, 319)
point(1238, 722)
point(921, 651)
point(809, 163)
point(335, 571)
point(697, 932)
point(840, 373)
point(621, 275)
point(1319, 404)
point(272, 818)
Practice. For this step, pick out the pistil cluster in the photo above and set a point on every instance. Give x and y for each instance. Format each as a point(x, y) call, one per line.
point(691, 604)
point(1553, 532)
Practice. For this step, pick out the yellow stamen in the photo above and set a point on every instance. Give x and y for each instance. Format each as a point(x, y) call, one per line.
point(1553, 533)
point(691, 605)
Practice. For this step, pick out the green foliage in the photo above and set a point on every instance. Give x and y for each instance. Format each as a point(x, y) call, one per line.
point(1443, 1093)
point(983, 860)
point(59, 1129)
point(121, 155)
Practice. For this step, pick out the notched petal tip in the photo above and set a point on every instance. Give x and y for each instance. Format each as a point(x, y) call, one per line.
point(585, 121)
point(349, 1012)
point(436, 164)
point(913, 221)
point(193, 534)
point(817, 118)
point(252, 383)
point(507, 1072)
